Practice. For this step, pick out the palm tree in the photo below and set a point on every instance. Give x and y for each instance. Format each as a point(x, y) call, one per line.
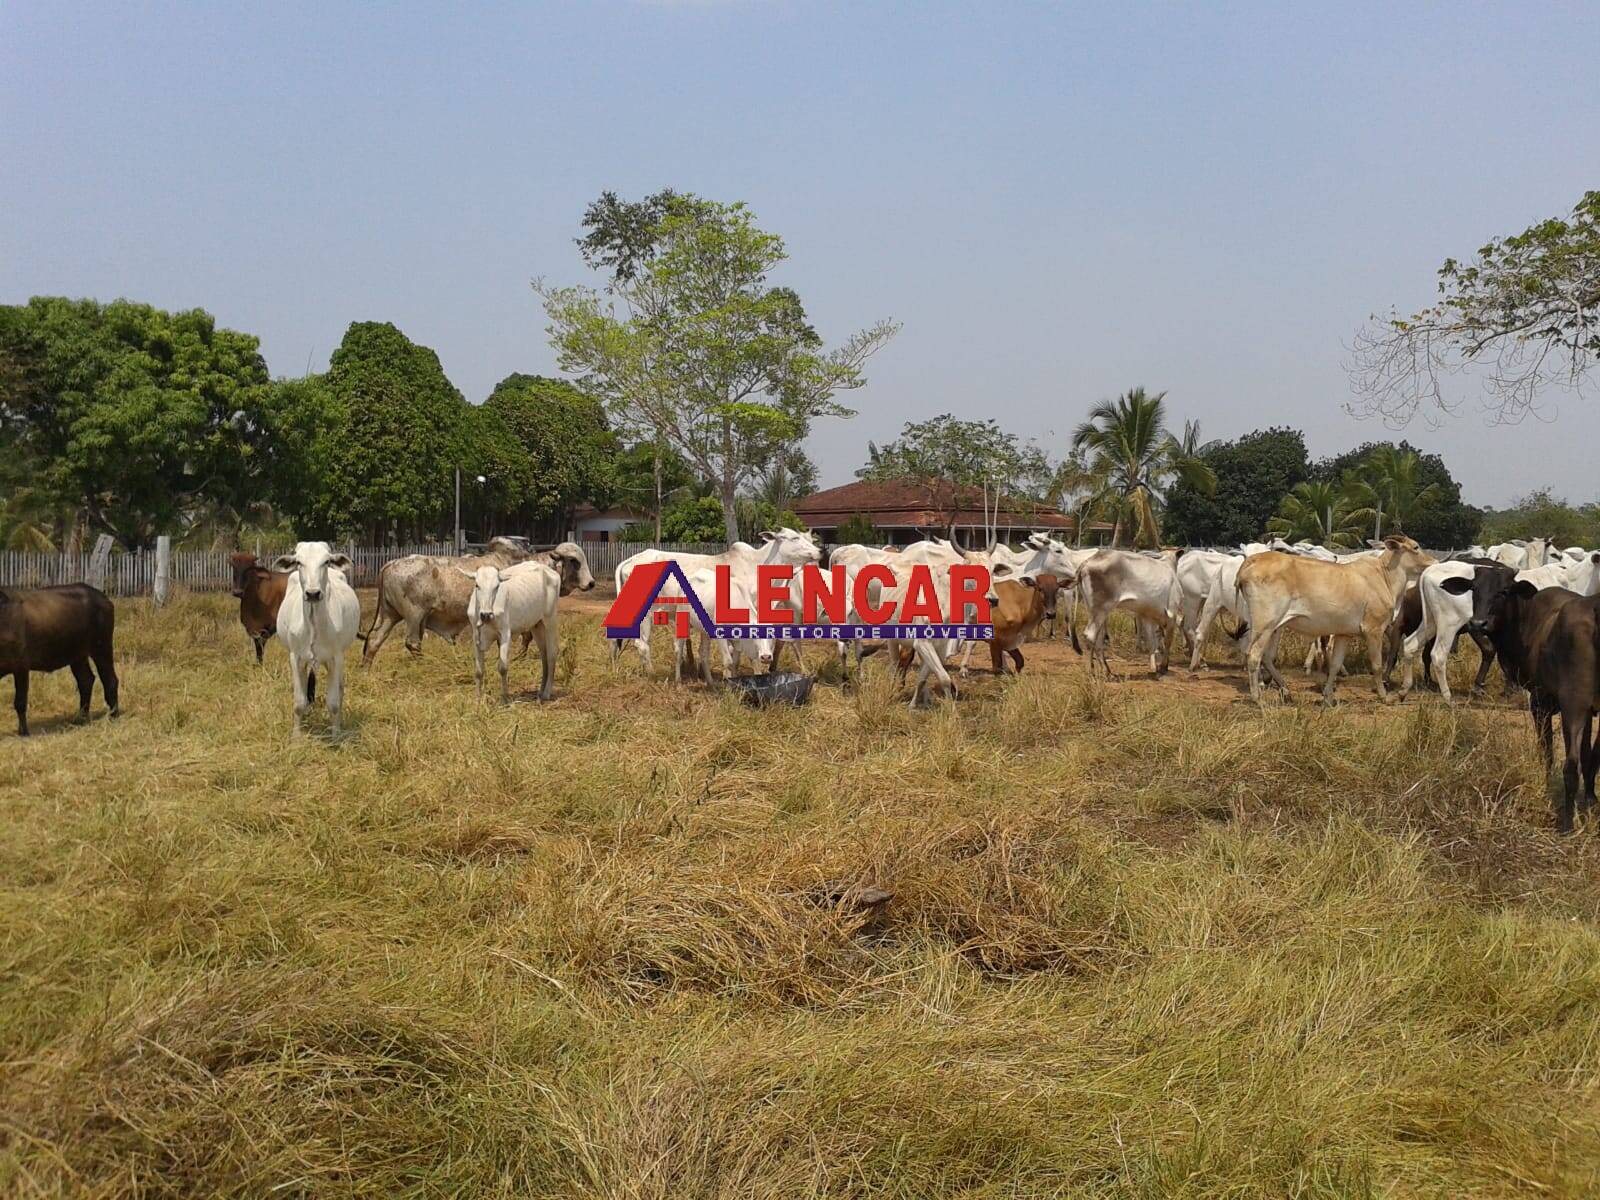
point(1125, 460)
point(1321, 513)
point(25, 520)
point(1386, 485)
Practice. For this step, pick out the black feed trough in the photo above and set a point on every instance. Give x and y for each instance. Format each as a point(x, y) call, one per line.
point(789, 687)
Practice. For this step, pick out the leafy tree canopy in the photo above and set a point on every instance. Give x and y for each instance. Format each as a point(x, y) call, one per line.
point(1252, 474)
point(136, 416)
point(706, 354)
point(388, 463)
point(948, 457)
point(1541, 514)
point(564, 434)
point(1434, 513)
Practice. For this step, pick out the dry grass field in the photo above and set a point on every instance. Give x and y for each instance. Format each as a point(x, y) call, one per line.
point(1143, 941)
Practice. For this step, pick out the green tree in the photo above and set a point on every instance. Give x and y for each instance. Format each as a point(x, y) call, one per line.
point(388, 459)
point(1439, 518)
point(566, 438)
point(1129, 460)
point(1321, 512)
point(706, 354)
point(858, 528)
point(1541, 514)
point(1524, 313)
point(138, 417)
point(786, 476)
point(1388, 487)
point(951, 461)
point(1250, 473)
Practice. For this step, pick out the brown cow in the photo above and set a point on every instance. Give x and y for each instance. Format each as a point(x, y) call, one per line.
point(54, 627)
point(260, 594)
point(1015, 617)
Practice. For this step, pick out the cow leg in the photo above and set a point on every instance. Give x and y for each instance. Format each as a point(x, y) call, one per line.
point(20, 701)
point(1485, 664)
point(1375, 645)
point(385, 622)
point(1591, 762)
point(1271, 659)
point(1574, 735)
point(549, 653)
point(527, 640)
point(1440, 658)
point(477, 660)
point(966, 657)
point(1336, 650)
point(260, 641)
point(1542, 721)
point(302, 702)
point(85, 680)
point(997, 662)
point(1016, 657)
point(335, 695)
point(414, 635)
point(504, 664)
point(1202, 629)
point(106, 668)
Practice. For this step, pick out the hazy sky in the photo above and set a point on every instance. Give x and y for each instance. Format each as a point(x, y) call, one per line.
point(1057, 202)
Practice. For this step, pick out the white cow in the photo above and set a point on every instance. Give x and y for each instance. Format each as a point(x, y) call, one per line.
point(1582, 576)
point(1520, 555)
point(854, 558)
point(1222, 596)
point(1445, 591)
point(786, 547)
point(507, 601)
point(734, 650)
point(1147, 586)
point(1197, 569)
point(317, 621)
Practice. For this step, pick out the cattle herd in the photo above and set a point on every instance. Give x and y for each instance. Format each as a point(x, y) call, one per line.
point(1531, 607)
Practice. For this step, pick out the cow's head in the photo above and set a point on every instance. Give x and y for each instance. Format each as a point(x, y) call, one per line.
point(486, 582)
point(790, 546)
point(311, 562)
point(1485, 585)
point(572, 565)
point(1400, 551)
point(242, 565)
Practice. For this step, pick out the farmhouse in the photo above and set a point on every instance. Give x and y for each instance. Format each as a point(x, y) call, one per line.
point(905, 511)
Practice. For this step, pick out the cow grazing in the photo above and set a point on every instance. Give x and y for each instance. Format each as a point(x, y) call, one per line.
point(260, 595)
point(429, 593)
point(1324, 599)
point(45, 629)
point(761, 652)
point(1549, 642)
point(506, 601)
point(318, 620)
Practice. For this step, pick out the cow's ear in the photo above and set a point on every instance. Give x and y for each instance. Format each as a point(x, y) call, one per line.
point(342, 561)
point(285, 562)
point(766, 535)
point(1456, 585)
point(1374, 544)
point(1523, 588)
point(473, 575)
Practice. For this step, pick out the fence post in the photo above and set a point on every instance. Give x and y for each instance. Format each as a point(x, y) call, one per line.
point(163, 581)
point(99, 561)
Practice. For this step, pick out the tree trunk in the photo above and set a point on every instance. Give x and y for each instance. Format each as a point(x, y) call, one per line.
point(730, 518)
point(657, 471)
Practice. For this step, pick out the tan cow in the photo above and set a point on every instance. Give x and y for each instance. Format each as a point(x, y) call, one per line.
point(431, 593)
point(1325, 599)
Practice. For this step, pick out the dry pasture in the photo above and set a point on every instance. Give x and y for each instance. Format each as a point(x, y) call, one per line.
point(1143, 940)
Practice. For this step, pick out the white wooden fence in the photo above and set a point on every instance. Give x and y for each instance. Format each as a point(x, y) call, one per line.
point(134, 574)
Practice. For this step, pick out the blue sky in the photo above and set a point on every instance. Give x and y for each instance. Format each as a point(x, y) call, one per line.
point(1057, 202)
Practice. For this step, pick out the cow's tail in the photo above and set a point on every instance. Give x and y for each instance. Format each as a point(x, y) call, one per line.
point(377, 612)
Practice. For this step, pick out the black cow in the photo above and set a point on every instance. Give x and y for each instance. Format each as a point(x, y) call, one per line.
point(1548, 642)
point(49, 628)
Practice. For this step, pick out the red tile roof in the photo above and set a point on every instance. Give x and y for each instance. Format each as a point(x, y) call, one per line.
point(899, 502)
